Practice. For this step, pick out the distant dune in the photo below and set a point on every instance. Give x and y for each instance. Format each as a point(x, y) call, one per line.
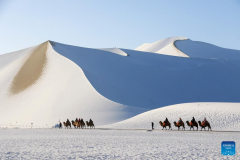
point(53, 81)
point(222, 116)
point(164, 46)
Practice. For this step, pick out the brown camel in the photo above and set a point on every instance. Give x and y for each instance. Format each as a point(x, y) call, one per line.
point(83, 125)
point(80, 124)
point(90, 124)
point(179, 124)
point(74, 124)
point(192, 125)
point(67, 125)
point(164, 125)
point(203, 125)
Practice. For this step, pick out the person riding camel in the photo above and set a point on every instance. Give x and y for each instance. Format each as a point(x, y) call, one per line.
point(81, 120)
point(76, 120)
point(180, 120)
point(193, 120)
point(205, 120)
point(166, 120)
point(90, 121)
point(68, 122)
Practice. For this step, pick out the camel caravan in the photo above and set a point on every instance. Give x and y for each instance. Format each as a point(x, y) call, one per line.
point(77, 124)
point(193, 123)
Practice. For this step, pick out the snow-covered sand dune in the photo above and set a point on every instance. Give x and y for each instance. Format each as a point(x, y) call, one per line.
point(41, 87)
point(164, 46)
point(184, 47)
point(53, 81)
point(149, 80)
point(222, 116)
point(196, 49)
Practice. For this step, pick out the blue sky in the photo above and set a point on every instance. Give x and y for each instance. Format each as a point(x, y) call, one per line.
point(117, 23)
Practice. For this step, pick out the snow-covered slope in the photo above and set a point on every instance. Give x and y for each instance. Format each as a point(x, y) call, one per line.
point(41, 86)
point(164, 46)
point(222, 116)
point(196, 49)
point(53, 81)
point(184, 47)
point(151, 81)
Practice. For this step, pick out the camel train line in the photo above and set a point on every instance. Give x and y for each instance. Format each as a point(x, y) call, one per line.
point(77, 124)
point(193, 123)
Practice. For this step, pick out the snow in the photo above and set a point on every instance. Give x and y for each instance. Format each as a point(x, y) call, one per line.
point(115, 50)
point(125, 89)
point(113, 144)
point(142, 47)
point(62, 91)
point(221, 116)
point(164, 46)
point(196, 49)
point(106, 85)
point(148, 80)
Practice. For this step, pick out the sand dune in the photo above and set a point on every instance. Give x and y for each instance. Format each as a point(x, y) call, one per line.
point(53, 81)
point(164, 46)
point(115, 50)
point(222, 116)
point(196, 49)
point(31, 71)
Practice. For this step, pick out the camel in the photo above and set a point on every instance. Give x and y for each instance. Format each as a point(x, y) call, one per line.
point(83, 124)
point(74, 124)
point(179, 124)
point(164, 125)
point(66, 125)
point(90, 124)
point(79, 124)
point(203, 125)
point(192, 125)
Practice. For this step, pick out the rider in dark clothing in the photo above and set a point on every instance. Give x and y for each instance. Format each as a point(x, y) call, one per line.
point(90, 120)
point(193, 120)
point(76, 120)
point(180, 120)
point(166, 120)
point(68, 122)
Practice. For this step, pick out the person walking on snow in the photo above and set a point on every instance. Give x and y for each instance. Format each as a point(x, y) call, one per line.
point(152, 126)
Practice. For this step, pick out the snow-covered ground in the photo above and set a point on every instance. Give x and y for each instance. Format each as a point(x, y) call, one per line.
point(113, 144)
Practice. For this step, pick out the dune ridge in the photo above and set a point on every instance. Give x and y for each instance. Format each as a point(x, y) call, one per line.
point(164, 46)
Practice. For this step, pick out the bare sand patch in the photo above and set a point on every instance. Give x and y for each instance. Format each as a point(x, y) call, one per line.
point(31, 71)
